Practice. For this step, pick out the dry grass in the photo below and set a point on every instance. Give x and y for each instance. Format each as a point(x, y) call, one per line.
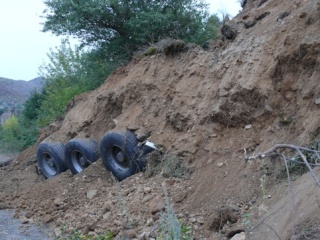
point(167, 164)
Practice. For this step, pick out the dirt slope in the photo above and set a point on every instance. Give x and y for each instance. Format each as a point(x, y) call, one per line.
point(208, 107)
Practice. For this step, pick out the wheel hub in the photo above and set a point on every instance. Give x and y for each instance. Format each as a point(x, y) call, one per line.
point(82, 161)
point(120, 157)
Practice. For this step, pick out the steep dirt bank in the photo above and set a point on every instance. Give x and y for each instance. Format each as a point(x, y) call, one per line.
point(208, 107)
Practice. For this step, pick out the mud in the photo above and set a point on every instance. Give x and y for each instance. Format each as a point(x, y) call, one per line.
point(14, 229)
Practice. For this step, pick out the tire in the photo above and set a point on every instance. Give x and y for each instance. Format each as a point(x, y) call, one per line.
point(50, 157)
point(80, 153)
point(119, 153)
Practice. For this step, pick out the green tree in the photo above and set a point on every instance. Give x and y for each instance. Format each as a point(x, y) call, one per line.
point(122, 26)
point(10, 135)
point(28, 118)
point(70, 71)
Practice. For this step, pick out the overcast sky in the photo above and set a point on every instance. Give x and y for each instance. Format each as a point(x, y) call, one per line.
point(23, 47)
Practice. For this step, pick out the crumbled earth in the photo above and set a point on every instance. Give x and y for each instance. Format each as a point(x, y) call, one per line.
point(210, 107)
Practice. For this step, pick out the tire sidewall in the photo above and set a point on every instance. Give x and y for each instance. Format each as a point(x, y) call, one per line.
point(51, 149)
point(128, 144)
point(82, 146)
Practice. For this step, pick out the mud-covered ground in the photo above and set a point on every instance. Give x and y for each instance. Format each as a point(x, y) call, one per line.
point(15, 229)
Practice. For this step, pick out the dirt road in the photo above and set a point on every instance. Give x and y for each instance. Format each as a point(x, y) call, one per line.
point(13, 229)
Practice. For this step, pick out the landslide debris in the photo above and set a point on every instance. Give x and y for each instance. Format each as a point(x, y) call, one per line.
point(198, 104)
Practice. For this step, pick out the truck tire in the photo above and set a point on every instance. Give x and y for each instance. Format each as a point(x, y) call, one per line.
point(50, 158)
point(119, 152)
point(80, 153)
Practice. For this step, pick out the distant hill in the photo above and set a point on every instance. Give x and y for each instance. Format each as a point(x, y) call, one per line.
point(16, 91)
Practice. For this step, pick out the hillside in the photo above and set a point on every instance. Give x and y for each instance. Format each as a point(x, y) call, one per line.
point(17, 90)
point(209, 107)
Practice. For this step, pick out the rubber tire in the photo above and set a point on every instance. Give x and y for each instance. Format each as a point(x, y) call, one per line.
point(88, 148)
point(124, 143)
point(54, 151)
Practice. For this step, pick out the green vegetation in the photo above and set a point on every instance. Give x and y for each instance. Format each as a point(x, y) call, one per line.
point(170, 226)
point(123, 26)
point(9, 133)
point(110, 32)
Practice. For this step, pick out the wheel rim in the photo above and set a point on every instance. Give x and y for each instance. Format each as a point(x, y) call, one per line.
point(79, 161)
point(120, 158)
point(49, 164)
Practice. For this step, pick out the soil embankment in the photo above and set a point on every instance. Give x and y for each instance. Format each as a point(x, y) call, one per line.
point(209, 107)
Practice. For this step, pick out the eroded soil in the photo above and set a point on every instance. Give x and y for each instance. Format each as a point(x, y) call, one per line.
point(210, 107)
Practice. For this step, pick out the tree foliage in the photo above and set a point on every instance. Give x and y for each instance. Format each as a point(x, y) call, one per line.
point(69, 73)
point(125, 25)
point(10, 134)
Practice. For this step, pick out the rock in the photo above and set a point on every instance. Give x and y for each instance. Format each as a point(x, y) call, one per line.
point(144, 235)
point(58, 201)
point(150, 222)
point(57, 232)
point(221, 164)
point(317, 101)
point(247, 127)
point(24, 220)
point(200, 220)
point(3, 206)
point(239, 236)
point(91, 194)
point(157, 204)
point(48, 219)
point(107, 206)
point(146, 199)
point(180, 197)
point(170, 182)
point(129, 234)
point(106, 215)
point(219, 218)
point(28, 215)
point(147, 190)
point(192, 220)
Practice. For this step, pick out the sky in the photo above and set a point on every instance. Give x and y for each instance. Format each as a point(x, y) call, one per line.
point(23, 47)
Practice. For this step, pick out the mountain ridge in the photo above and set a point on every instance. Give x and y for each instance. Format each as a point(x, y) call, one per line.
point(17, 91)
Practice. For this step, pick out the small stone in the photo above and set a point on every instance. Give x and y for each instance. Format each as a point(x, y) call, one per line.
point(200, 220)
point(247, 127)
point(146, 199)
point(180, 197)
point(157, 204)
point(129, 234)
point(150, 222)
point(220, 164)
point(317, 101)
point(58, 201)
point(170, 182)
point(147, 190)
point(28, 215)
point(144, 235)
point(91, 194)
point(57, 232)
point(106, 215)
point(192, 220)
point(117, 222)
point(239, 236)
point(24, 220)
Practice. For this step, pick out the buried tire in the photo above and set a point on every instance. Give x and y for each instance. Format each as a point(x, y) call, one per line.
point(119, 152)
point(50, 157)
point(80, 153)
